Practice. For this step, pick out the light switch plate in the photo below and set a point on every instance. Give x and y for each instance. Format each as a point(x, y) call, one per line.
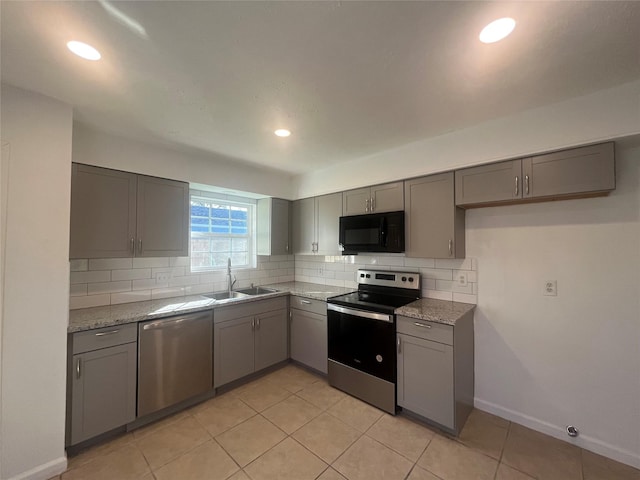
point(550, 288)
point(162, 276)
point(461, 279)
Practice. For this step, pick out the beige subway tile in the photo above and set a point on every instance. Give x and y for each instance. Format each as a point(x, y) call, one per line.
point(89, 301)
point(109, 263)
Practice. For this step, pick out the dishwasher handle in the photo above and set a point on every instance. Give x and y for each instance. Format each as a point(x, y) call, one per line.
point(172, 322)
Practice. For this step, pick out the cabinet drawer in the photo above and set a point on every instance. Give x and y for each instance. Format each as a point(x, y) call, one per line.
point(248, 309)
point(309, 305)
point(104, 337)
point(434, 331)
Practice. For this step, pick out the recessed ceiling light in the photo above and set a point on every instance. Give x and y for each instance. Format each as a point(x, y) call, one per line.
point(282, 132)
point(83, 50)
point(497, 30)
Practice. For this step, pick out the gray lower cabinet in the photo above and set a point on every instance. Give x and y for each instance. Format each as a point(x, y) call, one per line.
point(435, 370)
point(434, 226)
point(309, 332)
point(102, 373)
point(574, 172)
point(248, 337)
point(121, 214)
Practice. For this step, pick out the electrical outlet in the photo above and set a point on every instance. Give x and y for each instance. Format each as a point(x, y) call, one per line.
point(550, 288)
point(162, 276)
point(461, 279)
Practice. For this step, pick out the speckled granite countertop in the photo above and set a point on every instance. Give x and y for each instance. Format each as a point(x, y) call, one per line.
point(440, 311)
point(110, 315)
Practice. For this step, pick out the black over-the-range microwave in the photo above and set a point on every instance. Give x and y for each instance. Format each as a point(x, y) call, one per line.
point(374, 232)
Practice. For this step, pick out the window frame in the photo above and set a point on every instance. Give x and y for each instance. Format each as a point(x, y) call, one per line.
point(232, 201)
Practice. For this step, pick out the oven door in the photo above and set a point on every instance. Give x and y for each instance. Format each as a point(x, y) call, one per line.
point(363, 340)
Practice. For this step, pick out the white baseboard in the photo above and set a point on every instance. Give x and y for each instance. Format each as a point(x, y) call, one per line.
point(582, 441)
point(44, 471)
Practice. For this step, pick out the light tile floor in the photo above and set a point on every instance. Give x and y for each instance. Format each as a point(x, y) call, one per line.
point(291, 425)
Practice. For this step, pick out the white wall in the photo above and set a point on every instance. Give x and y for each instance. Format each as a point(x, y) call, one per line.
point(36, 284)
point(606, 114)
point(101, 149)
point(548, 362)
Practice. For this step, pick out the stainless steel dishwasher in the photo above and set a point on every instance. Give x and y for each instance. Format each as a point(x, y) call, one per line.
point(175, 360)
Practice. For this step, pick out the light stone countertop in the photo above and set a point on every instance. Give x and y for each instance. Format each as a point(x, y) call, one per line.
point(110, 315)
point(440, 311)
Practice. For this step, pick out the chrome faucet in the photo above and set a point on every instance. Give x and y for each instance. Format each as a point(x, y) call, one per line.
point(230, 282)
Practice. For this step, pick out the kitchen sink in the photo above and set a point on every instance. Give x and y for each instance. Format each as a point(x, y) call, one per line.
point(226, 295)
point(256, 290)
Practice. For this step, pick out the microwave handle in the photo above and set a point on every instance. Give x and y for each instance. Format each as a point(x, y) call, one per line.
point(383, 231)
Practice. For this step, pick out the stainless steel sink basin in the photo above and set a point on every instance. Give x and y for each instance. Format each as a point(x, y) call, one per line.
point(256, 290)
point(225, 295)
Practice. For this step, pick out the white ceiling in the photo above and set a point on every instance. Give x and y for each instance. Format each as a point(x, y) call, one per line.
point(348, 78)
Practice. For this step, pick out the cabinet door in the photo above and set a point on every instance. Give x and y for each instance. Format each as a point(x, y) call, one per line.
point(163, 218)
point(497, 182)
point(303, 226)
point(579, 170)
point(388, 197)
point(356, 202)
point(425, 379)
point(328, 211)
point(270, 339)
point(309, 339)
point(233, 350)
point(103, 391)
point(280, 234)
point(103, 212)
point(434, 226)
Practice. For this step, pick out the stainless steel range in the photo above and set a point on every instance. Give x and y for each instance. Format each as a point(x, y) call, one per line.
point(362, 335)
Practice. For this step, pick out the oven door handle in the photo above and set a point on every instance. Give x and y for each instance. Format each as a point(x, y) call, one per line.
point(360, 313)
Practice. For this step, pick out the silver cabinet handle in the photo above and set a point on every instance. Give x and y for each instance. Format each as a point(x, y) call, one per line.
point(517, 187)
point(372, 204)
point(306, 302)
point(399, 346)
point(111, 332)
point(258, 323)
point(450, 247)
point(366, 205)
point(139, 245)
point(526, 184)
point(286, 247)
point(133, 245)
point(78, 368)
point(290, 316)
point(417, 324)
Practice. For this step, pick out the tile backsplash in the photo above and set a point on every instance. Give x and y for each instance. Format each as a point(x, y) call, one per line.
point(439, 276)
point(111, 281)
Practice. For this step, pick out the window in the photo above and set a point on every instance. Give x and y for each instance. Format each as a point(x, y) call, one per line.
point(221, 228)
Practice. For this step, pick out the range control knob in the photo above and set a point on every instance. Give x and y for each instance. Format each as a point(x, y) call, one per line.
point(411, 279)
point(404, 279)
point(368, 276)
point(362, 275)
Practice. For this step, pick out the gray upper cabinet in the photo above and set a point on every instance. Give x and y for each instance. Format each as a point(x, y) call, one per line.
point(315, 224)
point(103, 212)
point(579, 170)
point(388, 197)
point(496, 182)
point(163, 217)
point(102, 381)
point(248, 337)
point(118, 214)
point(575, 172)
point(272, 225)
point(434, 225)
